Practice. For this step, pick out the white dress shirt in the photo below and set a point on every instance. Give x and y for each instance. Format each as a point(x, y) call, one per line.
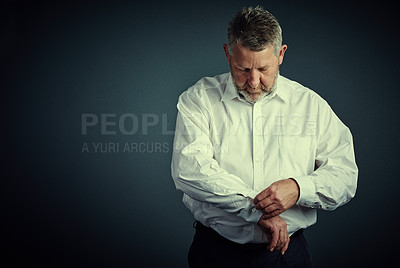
point(227, 150)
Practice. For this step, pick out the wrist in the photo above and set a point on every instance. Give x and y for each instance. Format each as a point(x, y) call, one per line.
point(307, 196)
point(297, 188)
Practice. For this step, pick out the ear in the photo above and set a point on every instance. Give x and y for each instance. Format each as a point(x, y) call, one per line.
point(282, 53)
point(228, 58)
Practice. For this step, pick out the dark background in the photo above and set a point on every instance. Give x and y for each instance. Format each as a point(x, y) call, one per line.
point(64, 59)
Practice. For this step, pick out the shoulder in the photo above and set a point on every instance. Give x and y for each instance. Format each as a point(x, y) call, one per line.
point(296, 92)
point(206, 89)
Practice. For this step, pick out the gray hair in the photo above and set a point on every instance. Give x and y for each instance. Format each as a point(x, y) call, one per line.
point(255, 29)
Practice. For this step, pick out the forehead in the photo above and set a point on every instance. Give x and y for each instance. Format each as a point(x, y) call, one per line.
point(248, 58)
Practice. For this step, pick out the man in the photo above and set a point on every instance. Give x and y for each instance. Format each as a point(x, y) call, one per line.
point(256, 154)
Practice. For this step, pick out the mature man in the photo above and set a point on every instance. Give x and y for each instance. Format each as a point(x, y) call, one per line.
point(256, 154)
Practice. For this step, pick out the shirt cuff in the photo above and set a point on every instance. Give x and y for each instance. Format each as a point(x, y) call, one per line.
point(250, 213)
point(307, 192)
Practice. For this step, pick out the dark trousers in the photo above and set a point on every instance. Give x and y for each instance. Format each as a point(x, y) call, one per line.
point(209, 249)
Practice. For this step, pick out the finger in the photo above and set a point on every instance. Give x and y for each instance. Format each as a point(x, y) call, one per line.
point(263, 203)
point(272, 214)
point(282, 240)
point(274, 241)
point(286, 243)
point(285, 247)
point(269, 200)
point(269, 209)
point(261, 196)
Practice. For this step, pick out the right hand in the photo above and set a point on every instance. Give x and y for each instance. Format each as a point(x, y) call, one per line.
point(275, 229)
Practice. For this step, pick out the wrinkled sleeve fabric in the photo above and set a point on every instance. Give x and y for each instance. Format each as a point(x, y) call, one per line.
point(334, 181)
point(193, 168)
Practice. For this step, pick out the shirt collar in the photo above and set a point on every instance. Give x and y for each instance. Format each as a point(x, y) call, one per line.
point(230, 91)
point(280, 90)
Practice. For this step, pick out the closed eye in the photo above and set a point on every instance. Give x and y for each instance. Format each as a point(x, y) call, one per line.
point(246, 70)
point(263, 69)
point(242, 69)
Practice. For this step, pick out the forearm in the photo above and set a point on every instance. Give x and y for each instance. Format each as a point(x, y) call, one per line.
point(222, 190)
point(334, 182)
point(327, 188)
point(198, 174)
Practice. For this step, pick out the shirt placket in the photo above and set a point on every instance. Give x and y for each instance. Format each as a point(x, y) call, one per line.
point(258, 152)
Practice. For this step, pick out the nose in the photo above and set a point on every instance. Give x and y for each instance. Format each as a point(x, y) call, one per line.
point(253, 78)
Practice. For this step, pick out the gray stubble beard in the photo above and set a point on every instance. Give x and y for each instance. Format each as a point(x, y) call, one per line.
point(262, 95)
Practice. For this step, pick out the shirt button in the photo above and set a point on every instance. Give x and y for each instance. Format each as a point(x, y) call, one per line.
point(253, 210)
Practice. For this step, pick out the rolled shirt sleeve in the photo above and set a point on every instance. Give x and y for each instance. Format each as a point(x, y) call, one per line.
point(334, 181)
point(196, 172)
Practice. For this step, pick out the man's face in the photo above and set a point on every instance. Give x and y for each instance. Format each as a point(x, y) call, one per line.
point(254, 72)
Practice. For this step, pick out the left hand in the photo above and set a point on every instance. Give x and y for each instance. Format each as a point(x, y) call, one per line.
point(276, 231)
point(278, 197)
